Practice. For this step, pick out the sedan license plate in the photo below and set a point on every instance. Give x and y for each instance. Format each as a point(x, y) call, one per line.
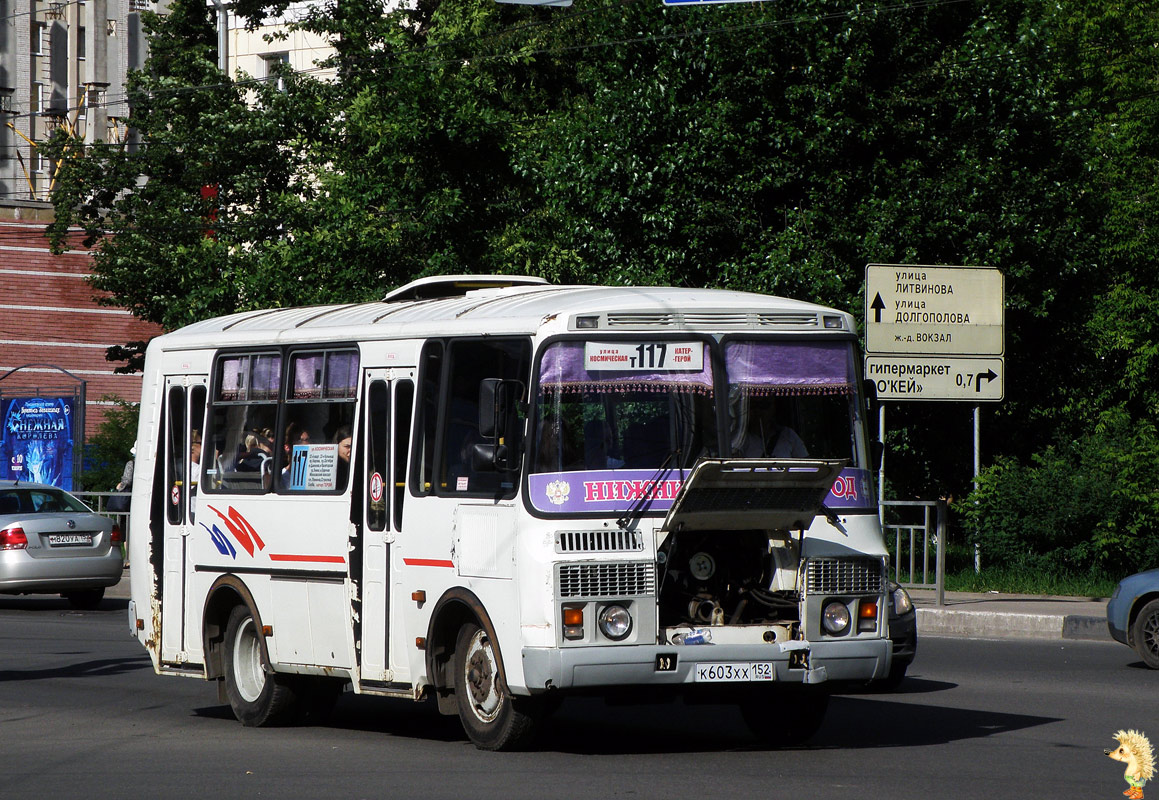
point(732, 673)
point(69, 539)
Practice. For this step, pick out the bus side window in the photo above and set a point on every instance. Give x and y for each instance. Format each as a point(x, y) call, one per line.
point(315, 443)
point(243, 415)
point(176, 455)
point(196, 422)
point(471, 362)
point(431, 379)
point(403, 400)
point(377, 442)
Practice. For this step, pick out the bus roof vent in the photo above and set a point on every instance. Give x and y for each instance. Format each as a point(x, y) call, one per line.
point(712, 319)
point(437, 287)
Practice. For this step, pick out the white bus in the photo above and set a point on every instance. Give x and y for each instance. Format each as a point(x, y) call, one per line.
point(496, 492)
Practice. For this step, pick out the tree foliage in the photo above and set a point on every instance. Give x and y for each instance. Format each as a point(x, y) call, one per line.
point(774, 147)
point(109, 448)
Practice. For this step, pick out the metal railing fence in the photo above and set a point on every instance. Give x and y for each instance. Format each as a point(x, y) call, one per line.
point(99, 502)
point(917, 529)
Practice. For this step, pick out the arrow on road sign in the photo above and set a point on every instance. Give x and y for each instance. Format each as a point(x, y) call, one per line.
point(877, 305)
point(989, 375)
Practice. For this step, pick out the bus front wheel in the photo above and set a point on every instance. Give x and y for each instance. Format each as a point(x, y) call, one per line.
point(491, 716)
point(258, 698)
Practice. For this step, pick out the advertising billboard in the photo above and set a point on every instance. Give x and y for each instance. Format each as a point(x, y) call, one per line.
point(37, 441)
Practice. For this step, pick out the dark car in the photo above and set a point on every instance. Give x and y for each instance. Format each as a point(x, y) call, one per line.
point(903, 632)
point(1133, 615)
point(51, 542)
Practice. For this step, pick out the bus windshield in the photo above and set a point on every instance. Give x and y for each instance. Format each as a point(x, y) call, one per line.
point(614, 420)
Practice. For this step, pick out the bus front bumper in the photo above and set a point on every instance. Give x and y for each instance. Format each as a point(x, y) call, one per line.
point(667, 665)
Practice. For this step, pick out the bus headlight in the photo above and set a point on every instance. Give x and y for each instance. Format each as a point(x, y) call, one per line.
point(615, 622)
point(835, 617)
point(902, 604)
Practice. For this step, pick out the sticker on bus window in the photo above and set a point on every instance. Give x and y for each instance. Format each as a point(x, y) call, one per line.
point(644, 356)
point(313, 467)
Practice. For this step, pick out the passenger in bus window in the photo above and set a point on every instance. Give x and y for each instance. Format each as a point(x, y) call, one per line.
point(345, 441)
point(194, 459)
point(258, 450)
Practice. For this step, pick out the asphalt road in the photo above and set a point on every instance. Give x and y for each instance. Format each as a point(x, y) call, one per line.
point(83, 715)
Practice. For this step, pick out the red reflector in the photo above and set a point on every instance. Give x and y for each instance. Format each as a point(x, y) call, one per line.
point(117, 537)
point(13, 538)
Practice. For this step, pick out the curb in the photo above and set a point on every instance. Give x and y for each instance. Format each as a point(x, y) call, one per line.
point(1007, 625)
point(1091, 628)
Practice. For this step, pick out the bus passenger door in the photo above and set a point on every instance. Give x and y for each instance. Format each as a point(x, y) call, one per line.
point(386, 433)
point(184, 417)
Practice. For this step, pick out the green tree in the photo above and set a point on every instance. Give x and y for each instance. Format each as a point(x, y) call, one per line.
point(182, 212)
point(776, 147)
point(108, 449)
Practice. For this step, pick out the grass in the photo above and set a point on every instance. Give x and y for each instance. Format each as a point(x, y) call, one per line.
point(1023, 581)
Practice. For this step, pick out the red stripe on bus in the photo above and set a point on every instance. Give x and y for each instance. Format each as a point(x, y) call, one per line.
point(428, 562)
point(312, 559)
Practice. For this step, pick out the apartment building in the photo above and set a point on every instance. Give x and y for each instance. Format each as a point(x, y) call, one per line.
point(62, 63)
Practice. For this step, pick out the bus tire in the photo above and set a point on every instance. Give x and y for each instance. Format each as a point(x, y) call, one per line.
point(258, 697)
point(491, 716)
point(784, 717)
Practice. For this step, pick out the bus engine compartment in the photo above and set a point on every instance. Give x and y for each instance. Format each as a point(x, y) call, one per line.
point(718, 578)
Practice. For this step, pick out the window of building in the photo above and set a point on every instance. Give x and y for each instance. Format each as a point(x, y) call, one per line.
point(39, 38)
point(275, 63)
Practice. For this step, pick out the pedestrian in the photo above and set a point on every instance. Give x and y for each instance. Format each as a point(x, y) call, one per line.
point(119, 502)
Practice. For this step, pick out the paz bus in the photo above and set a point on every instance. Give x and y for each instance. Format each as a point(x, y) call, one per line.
point(493, 493)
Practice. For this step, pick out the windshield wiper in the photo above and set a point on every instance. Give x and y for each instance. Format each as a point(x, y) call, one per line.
point(640, 505)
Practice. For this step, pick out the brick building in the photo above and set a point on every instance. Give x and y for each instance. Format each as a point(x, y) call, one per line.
point(49, 316)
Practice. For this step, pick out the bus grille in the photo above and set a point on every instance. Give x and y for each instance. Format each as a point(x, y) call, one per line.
point(844, 576)
point(622, 579)
point(611, 541)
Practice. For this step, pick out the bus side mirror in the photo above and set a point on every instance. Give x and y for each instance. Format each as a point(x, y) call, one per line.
point(498, 424)
point(494, 402)
point(490, 458)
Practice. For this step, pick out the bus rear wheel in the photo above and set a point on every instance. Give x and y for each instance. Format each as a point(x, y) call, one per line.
point(258, 697)
point(491, 716)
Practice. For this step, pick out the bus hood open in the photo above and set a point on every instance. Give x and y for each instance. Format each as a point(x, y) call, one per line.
point(753, 494)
